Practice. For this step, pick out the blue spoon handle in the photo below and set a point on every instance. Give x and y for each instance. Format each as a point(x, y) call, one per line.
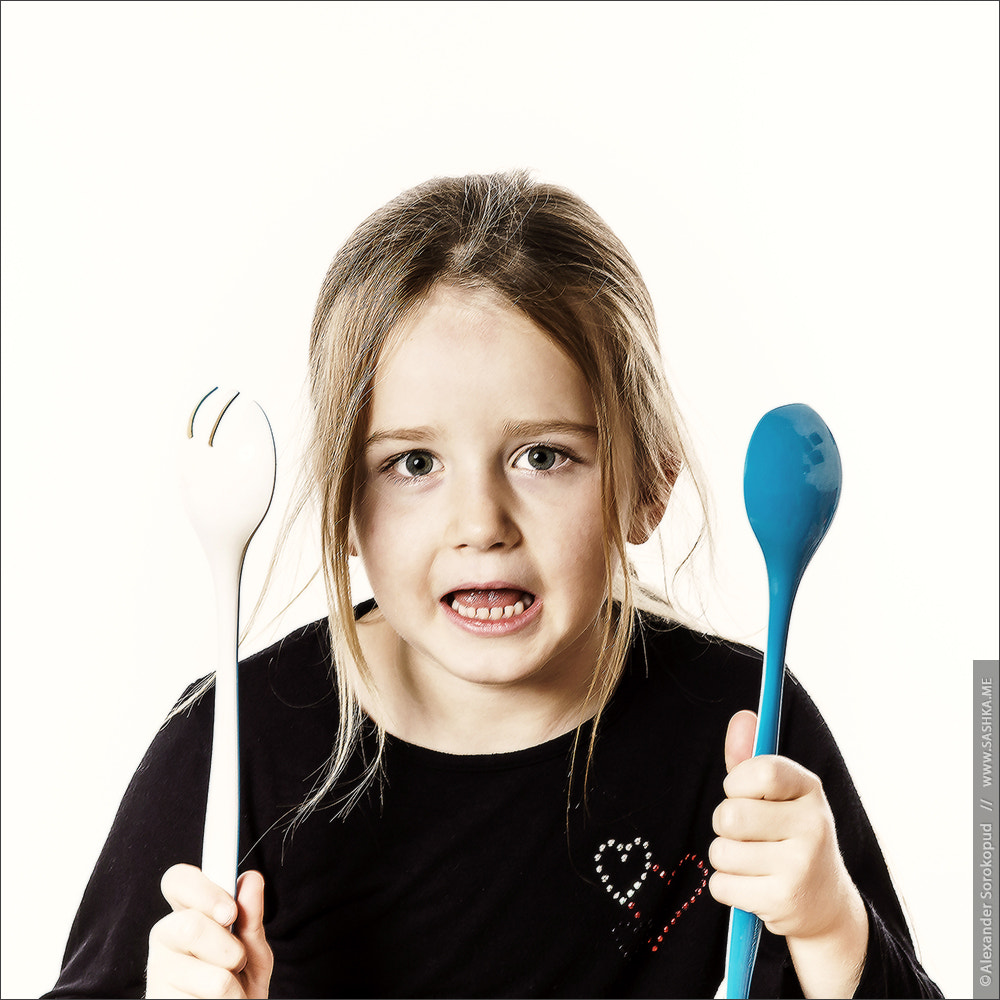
point(769, 709)
point(744, 928)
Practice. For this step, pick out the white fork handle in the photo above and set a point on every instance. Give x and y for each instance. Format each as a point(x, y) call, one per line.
point(220, 848)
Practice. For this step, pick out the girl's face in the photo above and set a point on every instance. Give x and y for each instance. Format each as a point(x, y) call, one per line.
point(478, 514)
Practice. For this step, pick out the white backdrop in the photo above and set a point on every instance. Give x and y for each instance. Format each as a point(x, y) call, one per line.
point(809, 188)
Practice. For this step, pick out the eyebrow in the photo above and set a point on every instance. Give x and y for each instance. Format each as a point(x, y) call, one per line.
point(543, 428)
point(519, 428)
point(400, 434)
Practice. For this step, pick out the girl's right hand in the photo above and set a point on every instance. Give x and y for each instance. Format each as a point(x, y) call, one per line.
point(192, 952)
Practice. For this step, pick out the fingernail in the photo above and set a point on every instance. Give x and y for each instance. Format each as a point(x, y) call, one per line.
point(223, 914)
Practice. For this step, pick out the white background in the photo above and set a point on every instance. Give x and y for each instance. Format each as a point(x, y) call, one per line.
point(809, 188)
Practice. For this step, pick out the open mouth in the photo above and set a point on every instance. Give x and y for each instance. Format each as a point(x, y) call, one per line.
point(489, 604)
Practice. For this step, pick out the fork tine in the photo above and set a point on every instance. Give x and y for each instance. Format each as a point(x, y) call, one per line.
point(196, 409)
point(218, 420)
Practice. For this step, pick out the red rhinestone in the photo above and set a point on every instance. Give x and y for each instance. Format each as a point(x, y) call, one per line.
point(631, 905)
point(654, 947)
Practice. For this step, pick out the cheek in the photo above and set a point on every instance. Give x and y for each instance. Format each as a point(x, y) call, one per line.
point(387, 533)
point(578, 546)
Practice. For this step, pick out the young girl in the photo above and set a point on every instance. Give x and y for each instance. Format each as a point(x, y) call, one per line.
point(527, 778)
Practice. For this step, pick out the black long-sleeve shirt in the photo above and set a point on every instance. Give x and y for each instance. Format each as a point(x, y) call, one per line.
point(482, 875)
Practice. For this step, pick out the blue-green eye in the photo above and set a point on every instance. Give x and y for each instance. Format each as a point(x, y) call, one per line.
point(539, 458)
point(414, 464)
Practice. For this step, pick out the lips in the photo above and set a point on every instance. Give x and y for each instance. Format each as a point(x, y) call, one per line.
point(490, 603)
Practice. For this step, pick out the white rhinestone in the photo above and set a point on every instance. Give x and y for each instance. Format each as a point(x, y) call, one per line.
point(600, 867)
point(616, 895)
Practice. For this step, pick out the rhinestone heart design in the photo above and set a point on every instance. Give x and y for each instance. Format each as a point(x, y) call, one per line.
point(634, 859)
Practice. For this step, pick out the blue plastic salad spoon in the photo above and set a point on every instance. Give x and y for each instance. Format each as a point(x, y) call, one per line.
point(791, 486)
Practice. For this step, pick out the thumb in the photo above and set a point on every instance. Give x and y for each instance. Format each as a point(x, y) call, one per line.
point(249, 928)
point(740, 737)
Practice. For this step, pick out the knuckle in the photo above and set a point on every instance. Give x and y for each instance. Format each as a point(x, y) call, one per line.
point(717, 819)
point(717, 854)
point(771, 771)
point(157, 932)
point(167, 880)
point(190, 929)
point(173, 880)
point(236, 956)
point(726, 818)
point(717, 887)
point(799, 863)
point(733, 817)
point(221, 983)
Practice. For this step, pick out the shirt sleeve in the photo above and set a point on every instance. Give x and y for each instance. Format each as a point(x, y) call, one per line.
point(159, 823)
point(891, 969)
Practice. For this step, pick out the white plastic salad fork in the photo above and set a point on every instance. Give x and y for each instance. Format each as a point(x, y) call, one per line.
point(227, 472)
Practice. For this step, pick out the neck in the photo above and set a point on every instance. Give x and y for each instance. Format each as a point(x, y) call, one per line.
point(429, 707)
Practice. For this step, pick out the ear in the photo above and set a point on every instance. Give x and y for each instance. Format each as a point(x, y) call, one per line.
point(645, 518)
point(352, 541)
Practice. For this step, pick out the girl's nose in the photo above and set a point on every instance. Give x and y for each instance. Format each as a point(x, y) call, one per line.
point(482, 515)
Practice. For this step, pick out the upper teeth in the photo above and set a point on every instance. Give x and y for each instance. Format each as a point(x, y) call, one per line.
point(489, 614)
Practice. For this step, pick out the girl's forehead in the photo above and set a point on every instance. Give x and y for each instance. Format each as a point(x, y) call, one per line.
point(453, 321)
point(461, 311)
point(469, 347)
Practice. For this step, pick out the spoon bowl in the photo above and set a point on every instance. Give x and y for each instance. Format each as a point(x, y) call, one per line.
point(791, 488)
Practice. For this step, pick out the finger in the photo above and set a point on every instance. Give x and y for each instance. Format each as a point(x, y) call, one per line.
point(750, 893)
point(187, 888)
point(739, 738)
point(770, 777)
point(756, 820)
point(184, 976)
point(750, 858)
point(191, 932)
point(249, 927)
point(250, 896)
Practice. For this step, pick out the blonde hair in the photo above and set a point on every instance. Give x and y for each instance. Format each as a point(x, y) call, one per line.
point(548, 254)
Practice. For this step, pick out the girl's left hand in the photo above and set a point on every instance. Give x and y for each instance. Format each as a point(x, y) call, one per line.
point(776, 855)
